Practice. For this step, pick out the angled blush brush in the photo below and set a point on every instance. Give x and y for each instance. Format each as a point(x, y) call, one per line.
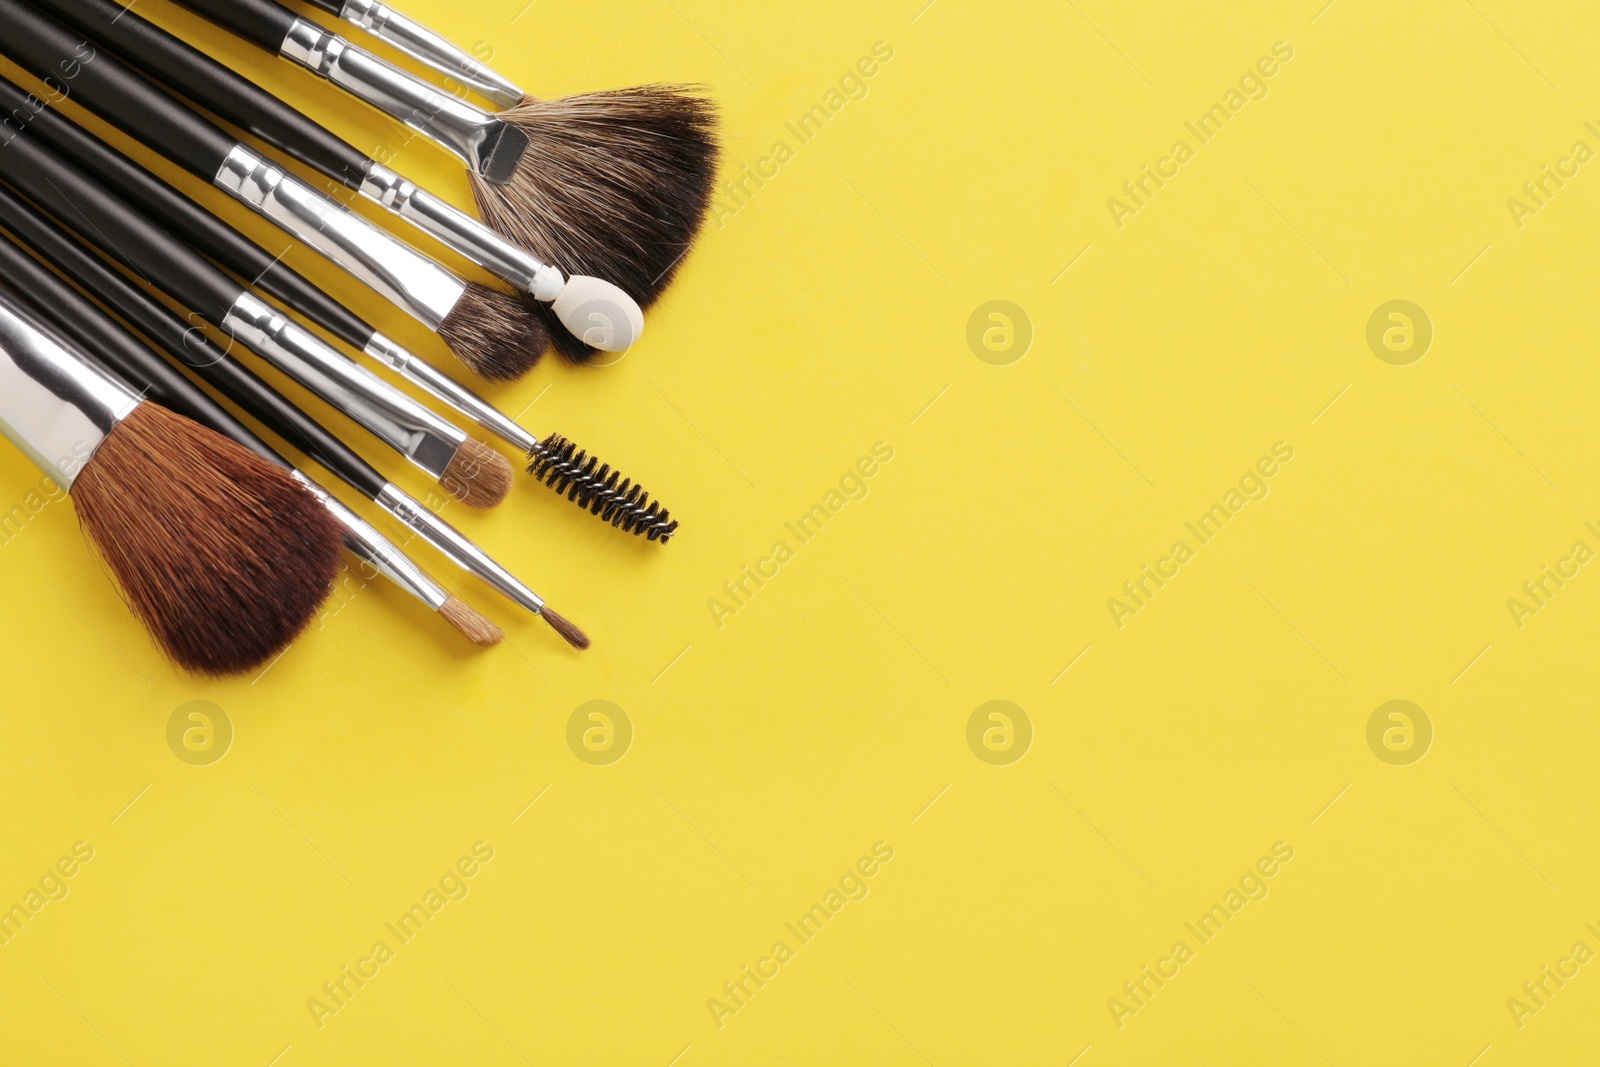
point(577, 310)
point(224, 557)
point(110, 345)
point(614, 184)
point(557, 462)
point(466, 467)
point(493, 332)
point(259, 400)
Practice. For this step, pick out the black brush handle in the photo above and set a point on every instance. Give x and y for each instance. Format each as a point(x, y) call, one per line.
point(264, 23)
point(107, 343)
point(188, 346)
point(332, 7)
point(75, 69)
point(212, 86)
point(114, 226)
point(187, 219)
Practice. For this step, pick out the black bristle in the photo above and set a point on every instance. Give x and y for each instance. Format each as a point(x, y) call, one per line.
point(593, 485)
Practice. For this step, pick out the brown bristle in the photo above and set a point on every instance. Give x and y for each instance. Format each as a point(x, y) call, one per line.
point(478, 476)
point(495, 334)
point(614, 184)
point(569, 633)
point(477, 629)
point(224, 557)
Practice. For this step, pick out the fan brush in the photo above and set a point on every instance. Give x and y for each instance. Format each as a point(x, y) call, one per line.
point(615, 184)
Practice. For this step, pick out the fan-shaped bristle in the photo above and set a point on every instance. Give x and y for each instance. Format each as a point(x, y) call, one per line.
point(569, 633)
point(472, 623)
point(495, 334)
point(478, 476)
point(614, 184)
point(223, 556)
point(587, 482)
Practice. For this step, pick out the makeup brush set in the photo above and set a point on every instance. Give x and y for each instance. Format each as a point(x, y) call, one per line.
point(221, 546)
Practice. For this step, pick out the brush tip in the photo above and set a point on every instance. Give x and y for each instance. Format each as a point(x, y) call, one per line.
point(569, 633)
point(478, 476)
point(224, 557)
point(599, 314)
point(474, 626)
point(495, 334)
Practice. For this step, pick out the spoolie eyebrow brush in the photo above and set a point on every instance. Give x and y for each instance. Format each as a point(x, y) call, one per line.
point(493, 332)
point(83, 322)
point(471, 470)
point(262, 402)
point(577, 332)
point(556, 461)
point(614, 184)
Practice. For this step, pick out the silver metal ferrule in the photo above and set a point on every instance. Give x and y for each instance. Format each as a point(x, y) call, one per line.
point(461, 232)
point(398, 271)
point(447, 389)
point(425, 46)
point(400, 422)
point(462, 552)
point(469, 132)
point(54, 405)
point(363, 540)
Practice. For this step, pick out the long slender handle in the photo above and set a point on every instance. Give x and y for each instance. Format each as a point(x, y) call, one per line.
point(264, 23)
point(188, 346)
point(188, 220)
point(73, 68)
point(422, 44)
point(118, 229)
point(87, 326)
point(194, 74)
point(121, 232)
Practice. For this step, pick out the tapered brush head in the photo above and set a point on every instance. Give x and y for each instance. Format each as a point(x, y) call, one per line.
point(495, 334)
point(569, 633)
point(472, 624)
point(593, 485)
point(614, 184)
point(478, 476)
point(224, 557)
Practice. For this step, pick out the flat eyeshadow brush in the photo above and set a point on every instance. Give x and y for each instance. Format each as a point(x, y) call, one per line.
point(259, 400)
point(577, 332)
point(466, 467)
point(493, 332)
point(107, 343)
point(612, 184)
point(224, 557)
point(590, 484)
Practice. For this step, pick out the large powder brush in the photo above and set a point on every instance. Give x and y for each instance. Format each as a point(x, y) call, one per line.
point(224, 557)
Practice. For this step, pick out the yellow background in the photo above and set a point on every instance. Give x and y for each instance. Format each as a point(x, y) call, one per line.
point(828, 313)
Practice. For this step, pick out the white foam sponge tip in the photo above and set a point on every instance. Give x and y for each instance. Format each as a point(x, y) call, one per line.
point(599, 314)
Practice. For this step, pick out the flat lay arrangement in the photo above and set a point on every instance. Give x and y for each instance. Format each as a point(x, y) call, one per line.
point(589, 205)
